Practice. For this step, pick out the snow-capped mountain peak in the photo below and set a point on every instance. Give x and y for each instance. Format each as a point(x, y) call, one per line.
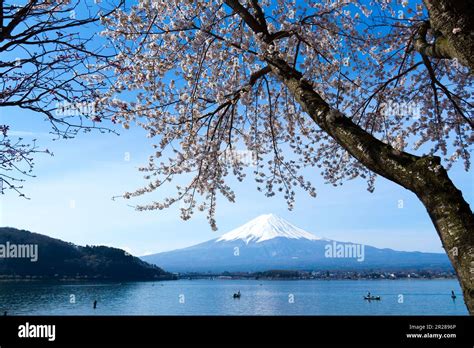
point(284, 247)
point(266, 227)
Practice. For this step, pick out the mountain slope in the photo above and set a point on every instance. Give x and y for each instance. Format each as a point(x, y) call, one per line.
point(57, 259)
point(269, 242)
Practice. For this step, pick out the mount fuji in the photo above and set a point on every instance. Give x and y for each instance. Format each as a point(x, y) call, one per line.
point(266, 227)
point(269, 242)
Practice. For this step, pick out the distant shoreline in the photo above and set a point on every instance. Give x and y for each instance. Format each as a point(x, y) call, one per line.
point(110, 281)
point(322, 275)
point(263, 275)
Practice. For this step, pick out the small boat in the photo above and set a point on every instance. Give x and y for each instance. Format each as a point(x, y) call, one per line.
point(372, 298)
point(237, 294)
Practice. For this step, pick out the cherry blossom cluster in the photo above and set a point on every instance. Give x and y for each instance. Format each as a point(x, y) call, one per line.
point(196, 76)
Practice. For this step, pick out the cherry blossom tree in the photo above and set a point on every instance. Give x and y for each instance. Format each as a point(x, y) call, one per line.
point(354, 88)
point(46, 66)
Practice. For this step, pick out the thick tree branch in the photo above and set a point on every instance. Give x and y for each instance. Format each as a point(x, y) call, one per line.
point(440, 47)
point(424, 176)
point(454, 19)
point(260, 15)
point(250, 20)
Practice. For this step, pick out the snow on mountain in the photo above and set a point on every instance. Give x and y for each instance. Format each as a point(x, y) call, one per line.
point(266, 227)
point(269, 242)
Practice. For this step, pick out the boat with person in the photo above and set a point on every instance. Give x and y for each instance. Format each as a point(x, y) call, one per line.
point(237, 294)
point(370, 297)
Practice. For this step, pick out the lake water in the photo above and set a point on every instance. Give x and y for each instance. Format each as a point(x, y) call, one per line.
point(214, 297)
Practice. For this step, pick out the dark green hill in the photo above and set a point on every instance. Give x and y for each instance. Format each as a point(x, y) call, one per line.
point(57, 259)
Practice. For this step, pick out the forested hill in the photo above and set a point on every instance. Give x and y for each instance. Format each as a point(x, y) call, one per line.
point(25, 255)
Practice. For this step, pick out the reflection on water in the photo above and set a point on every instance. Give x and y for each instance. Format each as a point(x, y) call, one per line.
point(214, 297)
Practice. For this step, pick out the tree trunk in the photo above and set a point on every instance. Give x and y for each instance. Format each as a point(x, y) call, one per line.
point(454, 222)
point(424, 176)
point(453, 23)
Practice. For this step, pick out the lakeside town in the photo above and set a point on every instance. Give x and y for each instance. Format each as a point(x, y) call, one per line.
point(323, 275)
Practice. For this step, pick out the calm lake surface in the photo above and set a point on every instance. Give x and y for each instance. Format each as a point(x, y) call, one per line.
point(214, 297)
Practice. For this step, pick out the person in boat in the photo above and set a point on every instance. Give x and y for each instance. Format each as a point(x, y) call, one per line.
point(368, 294)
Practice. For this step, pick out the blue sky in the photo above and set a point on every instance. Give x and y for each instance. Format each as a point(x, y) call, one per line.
point(71, 200)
